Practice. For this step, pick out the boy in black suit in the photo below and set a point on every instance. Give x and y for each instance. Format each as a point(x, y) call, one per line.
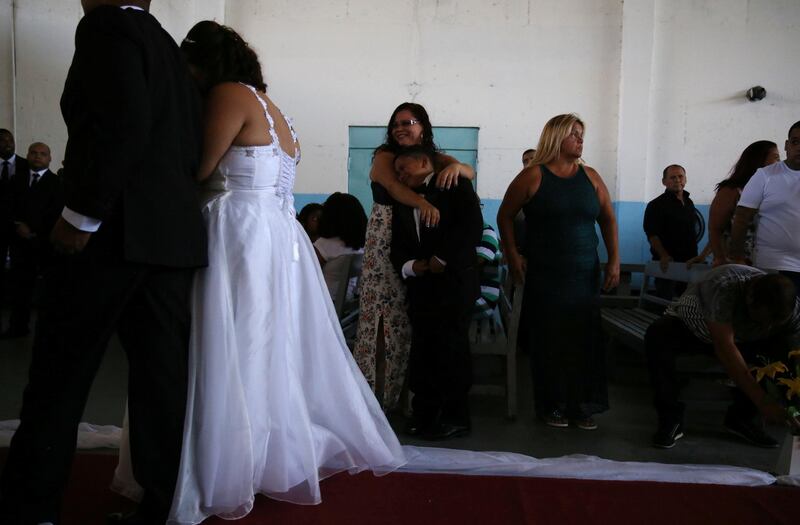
point(38, 201)
point(439, 267)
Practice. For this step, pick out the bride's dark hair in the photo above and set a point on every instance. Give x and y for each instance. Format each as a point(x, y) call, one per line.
point(219, 54)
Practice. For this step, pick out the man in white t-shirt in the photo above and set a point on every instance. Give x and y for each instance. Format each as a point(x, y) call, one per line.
point(773, 196)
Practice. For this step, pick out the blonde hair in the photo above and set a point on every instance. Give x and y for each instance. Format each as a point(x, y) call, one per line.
point(555, 131)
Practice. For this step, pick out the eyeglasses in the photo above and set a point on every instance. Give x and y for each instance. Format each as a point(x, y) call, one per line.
point(403, 123)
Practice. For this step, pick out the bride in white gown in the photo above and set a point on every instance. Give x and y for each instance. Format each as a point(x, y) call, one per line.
point(275, 400)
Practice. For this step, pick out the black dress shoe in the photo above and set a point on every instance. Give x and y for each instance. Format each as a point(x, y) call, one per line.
point(443, 431)
point(412, 429)
point(414, 426)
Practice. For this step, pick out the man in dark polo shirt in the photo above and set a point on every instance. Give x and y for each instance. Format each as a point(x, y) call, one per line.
point(736, 312)
point(671, 223)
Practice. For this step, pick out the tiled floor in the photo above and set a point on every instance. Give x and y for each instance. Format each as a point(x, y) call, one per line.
point(624, 432)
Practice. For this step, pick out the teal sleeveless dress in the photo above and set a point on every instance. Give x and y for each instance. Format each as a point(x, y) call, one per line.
point(562, 287)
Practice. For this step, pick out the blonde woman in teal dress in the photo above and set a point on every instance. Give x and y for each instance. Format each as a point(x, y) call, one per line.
point(562, 199)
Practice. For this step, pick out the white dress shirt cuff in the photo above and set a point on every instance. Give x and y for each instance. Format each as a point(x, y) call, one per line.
point(82, 222)
point(408, 269)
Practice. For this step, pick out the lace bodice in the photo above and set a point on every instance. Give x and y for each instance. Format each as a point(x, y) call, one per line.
point(266, 167)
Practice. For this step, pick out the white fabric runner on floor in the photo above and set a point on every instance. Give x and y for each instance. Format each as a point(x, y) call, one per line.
point(89, 436)
point(575, 466)
point(466, 462)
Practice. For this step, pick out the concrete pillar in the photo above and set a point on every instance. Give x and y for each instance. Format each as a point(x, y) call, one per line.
point(634, 99)
point(6, 66)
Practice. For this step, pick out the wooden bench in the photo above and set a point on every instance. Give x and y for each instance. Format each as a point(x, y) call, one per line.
point(627, 326)
point(622, 296)
point(497, 336)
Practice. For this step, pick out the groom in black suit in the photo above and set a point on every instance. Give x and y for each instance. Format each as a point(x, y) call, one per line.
point(439, 266)
point(130, 234)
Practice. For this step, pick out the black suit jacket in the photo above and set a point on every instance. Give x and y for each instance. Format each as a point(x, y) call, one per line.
point(39, 205)
point(453, 240)
point(133, 117)
point(7, 190)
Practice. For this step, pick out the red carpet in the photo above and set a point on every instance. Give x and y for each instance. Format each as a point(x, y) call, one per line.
point(450, 499)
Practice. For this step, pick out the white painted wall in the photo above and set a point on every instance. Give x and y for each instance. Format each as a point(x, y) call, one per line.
point(707, 55)
point(43, 35)
point(638, 26)
point(657, 81)
point(503, 67)
point(6, 66)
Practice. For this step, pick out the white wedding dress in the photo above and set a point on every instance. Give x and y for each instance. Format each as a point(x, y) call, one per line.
point(275, 400)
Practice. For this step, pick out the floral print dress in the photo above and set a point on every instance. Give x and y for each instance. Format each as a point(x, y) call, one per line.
point(382, 297)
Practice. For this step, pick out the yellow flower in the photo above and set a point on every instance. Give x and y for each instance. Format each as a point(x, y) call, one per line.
point(792, 387)
point(769, 370)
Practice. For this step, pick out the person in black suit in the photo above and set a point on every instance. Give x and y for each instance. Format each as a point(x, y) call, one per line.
point(10, 165)
point(130, 236)
point(38, 201)
point(439, 266)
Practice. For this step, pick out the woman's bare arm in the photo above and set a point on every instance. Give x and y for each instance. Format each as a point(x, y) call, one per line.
point(608, 228)
point(701, 257)
point(225, 116)
point(519, 192)
point(742, 218)
point(719, 219)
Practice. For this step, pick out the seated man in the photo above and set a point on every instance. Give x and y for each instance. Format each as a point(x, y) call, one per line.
point(671, 224)
point(438, 265)
point(736, 312)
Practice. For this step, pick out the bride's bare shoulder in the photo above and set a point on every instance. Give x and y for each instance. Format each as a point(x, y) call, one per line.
point(231, 99)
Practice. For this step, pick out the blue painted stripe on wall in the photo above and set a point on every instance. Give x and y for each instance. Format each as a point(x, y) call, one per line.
point(301, 199)
point(634, 247)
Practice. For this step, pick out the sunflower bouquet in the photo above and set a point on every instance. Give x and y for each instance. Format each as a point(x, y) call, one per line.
point(782, 381)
